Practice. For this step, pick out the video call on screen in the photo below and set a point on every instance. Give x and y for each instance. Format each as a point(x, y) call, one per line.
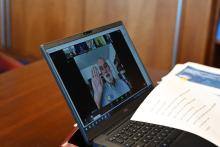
point(98, 73)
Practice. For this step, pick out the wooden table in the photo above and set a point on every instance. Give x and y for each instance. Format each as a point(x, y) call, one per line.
point(32, 110)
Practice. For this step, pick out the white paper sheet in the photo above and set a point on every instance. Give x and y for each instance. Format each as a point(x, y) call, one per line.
point(183, 105)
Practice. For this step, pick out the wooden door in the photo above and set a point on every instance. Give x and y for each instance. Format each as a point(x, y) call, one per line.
point(198, 31)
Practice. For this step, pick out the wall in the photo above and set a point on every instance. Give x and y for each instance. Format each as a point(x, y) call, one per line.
point(35, 22)
point(150, 23)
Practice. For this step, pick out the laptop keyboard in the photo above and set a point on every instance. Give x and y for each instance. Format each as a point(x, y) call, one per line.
point(140, 134)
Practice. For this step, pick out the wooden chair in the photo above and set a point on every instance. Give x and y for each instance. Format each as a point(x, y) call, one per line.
point(8, 63)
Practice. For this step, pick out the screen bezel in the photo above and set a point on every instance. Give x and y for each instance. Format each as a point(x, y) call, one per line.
point(88, 136)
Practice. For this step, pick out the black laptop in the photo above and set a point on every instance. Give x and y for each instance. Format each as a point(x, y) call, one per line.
point(104, 81)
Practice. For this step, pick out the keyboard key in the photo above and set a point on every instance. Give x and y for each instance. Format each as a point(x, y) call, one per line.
point(118, 140)
point(139, 144)
point(164, 145)
point(129, 143)
point(137, 127)
point(159, 137)
point(148, 137)
point(157, 129)
point(125, 128)
point(167, 130)
point(139, 134)
point(128, 134)
point(124, 137)
point(135, 138)
point(142, 123)
point(161, 127)
point(163, 134)
point(116, 135)
point(145, 141)
point(156, 141)
point(111, 139)
point(153, 133)
point(151, 144)
point(121, 132)
point(147, 128)
point(144, 131)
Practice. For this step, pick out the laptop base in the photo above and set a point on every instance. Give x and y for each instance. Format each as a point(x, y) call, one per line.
point(77, 139)
point(187, 139)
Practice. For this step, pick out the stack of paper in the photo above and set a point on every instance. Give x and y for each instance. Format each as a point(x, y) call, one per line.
point(188, 98)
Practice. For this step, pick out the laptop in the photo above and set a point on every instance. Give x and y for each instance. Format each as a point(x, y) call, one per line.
point(104, 81)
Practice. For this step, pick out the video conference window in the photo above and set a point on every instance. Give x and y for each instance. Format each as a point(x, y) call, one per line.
point(101, 69)
point(99, 73)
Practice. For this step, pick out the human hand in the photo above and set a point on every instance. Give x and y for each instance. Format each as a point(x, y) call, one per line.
point(97, 85)
point(68, 145)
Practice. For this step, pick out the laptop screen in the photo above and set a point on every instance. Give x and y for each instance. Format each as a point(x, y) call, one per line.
point(99, 72)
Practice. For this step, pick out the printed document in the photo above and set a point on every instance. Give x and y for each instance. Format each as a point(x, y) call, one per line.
point(198, 75)
point(186, 101)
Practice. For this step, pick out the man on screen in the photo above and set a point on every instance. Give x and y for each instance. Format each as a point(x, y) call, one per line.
point(108, 90)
